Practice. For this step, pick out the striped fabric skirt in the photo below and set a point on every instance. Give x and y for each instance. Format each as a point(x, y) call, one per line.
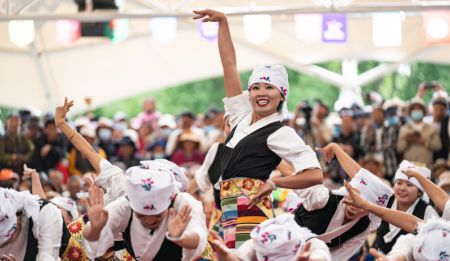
point(237, 219)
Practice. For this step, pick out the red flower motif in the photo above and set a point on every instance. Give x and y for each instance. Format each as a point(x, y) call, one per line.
point(74, 228)
point(248, 184)
point(266, 203)
point(226, 186)
point(75, 254)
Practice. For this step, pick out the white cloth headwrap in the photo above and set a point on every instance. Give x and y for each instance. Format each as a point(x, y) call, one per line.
point(404, 165)
point(150, 192)
point(11, 202)
point(371, 188)
point(165, 165)
point(275, 75)
point(279, 238)
point(433, 241)
point(67, 204)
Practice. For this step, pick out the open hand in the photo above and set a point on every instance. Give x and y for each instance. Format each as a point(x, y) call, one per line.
point(264, 191)
point(304, 253)
point(178, 221)
point(209, 15)
point(98, 216)
point(61, 112)
point(222, 251)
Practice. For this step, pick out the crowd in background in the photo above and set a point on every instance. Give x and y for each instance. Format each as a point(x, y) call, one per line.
point(379, 135)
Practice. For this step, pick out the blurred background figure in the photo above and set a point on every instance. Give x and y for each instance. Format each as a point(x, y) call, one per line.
point(15, 148)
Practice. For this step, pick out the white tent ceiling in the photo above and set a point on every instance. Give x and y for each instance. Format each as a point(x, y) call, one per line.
point(42, 73)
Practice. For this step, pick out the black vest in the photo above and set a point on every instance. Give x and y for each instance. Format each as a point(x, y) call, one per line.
point(214, 172)
point(168, 250)
point(383, 229)
point(318, 220)
point(32, 243)
point(251, 157)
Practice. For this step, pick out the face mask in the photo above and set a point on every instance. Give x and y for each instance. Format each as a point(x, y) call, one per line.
point(393, 120)
point(159, 156)
point(165, 132)
point(121, 126)
point(104, 134)
point(417, 115)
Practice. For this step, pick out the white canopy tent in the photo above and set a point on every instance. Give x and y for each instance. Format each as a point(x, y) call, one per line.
point(43, 73)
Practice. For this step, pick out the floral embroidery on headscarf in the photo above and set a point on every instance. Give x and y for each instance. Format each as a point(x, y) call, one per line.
point(443, 256)
point(297, 247)
point(11, 231)
point(149, 207)
point(147, 184)
point(268, 237)
point(265, 78)
point(382, 199)
point(362, 181)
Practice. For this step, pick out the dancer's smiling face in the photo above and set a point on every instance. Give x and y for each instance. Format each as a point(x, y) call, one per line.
point(265, 99)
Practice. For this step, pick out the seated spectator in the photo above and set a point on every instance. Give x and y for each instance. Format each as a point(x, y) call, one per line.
point(440, 166)
point(104, 133)
point(15, 148)
point(50, 148)
point(188, 153)
point(78, 164)
point(444, 182)
point(157, 150)
point(127, 153)
point(9, 179)
point(418, 140)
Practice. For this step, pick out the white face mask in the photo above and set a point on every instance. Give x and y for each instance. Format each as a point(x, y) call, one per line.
point(121, 126)
point(104, 134)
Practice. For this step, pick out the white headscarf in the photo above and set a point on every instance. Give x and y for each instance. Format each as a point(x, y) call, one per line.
point(405, 165)
point(275, 75)
point(433, 241)
point(11, 202)
point(279, 238)
point(67, 204)
point(372, 188)
point(165, 165)
point(150, 192)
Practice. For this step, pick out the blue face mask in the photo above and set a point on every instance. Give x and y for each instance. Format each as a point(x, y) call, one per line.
point(393, 120)
point(104, 134)
point(417, 115)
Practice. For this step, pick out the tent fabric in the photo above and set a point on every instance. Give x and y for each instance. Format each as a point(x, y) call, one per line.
point(43, 73)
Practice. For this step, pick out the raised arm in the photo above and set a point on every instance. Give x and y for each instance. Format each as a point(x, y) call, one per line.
point(226, 49)
point(400, 219)
point(36, 186)
point(350, 166)
point(437, 195)
point(74, 137)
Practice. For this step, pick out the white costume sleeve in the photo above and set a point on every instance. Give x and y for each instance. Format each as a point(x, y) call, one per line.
point(315, 197)
point(246, 252)
point(350, 247)
point(118, 217)
point(404, 247)
point(289, 146)
point(197, 224)
point(446, 214)
point(319, 250)
point(430, 212)
point(237, 107)
point(201, 175)
point(49, 233)
point(112, 179)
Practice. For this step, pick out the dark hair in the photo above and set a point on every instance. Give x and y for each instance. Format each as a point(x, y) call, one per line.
point(49, 121)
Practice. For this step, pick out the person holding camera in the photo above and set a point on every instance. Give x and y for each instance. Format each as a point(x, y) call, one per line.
point(418, 140)
point(439, 115)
